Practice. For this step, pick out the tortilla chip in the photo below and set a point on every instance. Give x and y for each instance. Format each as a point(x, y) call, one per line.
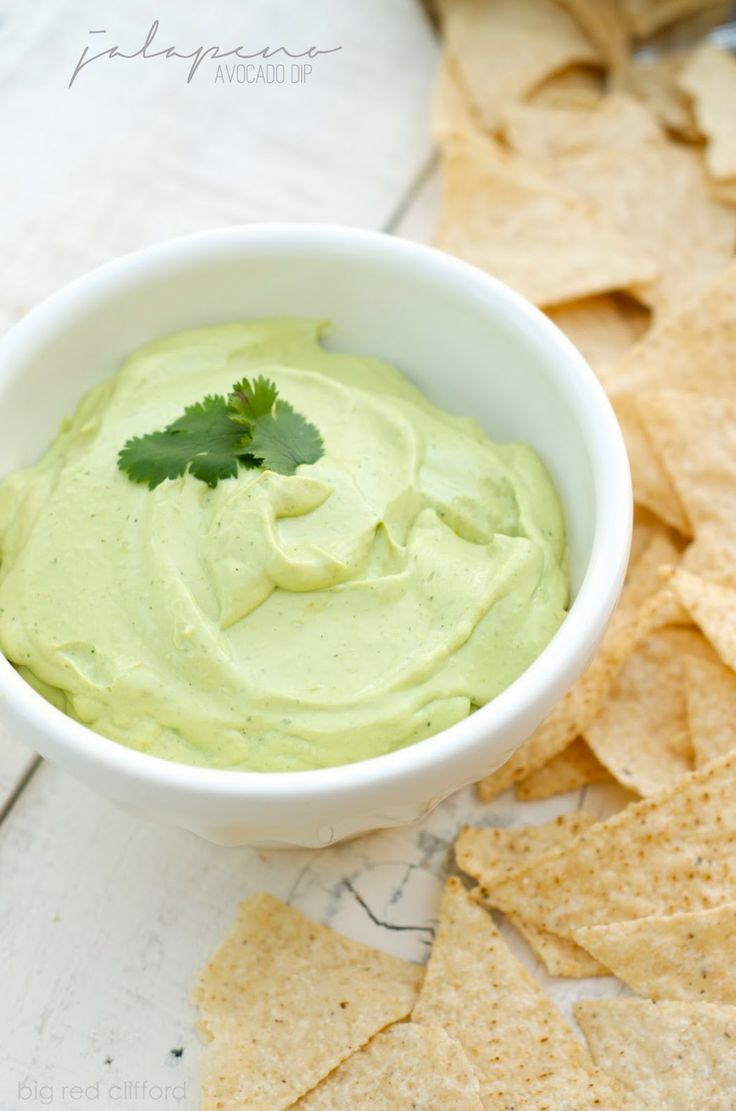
point(573, 768)
point(654, 82)
point(682, 956)
point(710, 78)
point(284, 1000)
point(712, 556)
point(452, 111)
point(640, 609)
point(694, 437)
point(524, 1054)
point(574, 87)
point(405, 1068)
point(697, 25)
point(642, 734)
point(666, 854)
point(713, 609)
point(489, 855)
point(602, 328)
point(644, 17)
point(678, 1056)
point(658, 196)
point(643, 583)
point(724, 191)
point(559, 955)
point(646, 526)
point(500, 215)
point(710, 698)
point(695, 349)
point(604, 25)
point(653, 487)
point(540, 131)
point(493, 854)
point(505, 48)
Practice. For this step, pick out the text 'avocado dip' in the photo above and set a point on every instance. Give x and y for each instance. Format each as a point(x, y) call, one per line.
point(278, 622)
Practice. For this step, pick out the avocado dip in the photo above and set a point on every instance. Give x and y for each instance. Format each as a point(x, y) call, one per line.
point(278, 622)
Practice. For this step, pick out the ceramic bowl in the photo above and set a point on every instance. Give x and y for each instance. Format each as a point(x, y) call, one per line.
point(474, 347)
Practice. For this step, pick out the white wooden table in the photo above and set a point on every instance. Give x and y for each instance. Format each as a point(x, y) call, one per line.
point(103, 919)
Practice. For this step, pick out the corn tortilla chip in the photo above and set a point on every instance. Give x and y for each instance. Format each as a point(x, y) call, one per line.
point(489, 855)
point(646, 526)
point(539, 131)
point(644, 17)
point(654, 82)
point(493, 854)
point(710, 698)
point(712, 608)
point(452, 111)
point(284, 1000)
point(640, 609)
point(678, 1056)
point(574, 87)
point(697, 25)
point(710, 78)
point(712, 556)
point(405, 1068)
point(575, 767)
point(695, 349)
point(524, 1054)
point(642, 733)
point(694, 436)
point(681, 956)
point(659, 197)
point(602, 328)
point(644, 579)
point(653, 488)
point(705, 584)
point(505, 218)
point(559, 955)
point(507, 47)
point(605, 26)
point(724, 191)
point(666, 854)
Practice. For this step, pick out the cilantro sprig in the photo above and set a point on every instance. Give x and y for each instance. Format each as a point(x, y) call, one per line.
point(253, 427)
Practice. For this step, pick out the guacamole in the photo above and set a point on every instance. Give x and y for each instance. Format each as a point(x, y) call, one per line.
point(278, 622)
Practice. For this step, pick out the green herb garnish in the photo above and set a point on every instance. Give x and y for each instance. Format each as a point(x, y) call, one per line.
point(252, 427)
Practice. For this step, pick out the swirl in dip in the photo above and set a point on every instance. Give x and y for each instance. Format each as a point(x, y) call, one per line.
point(275, 622)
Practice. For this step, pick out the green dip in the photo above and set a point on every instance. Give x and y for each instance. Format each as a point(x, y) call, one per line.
point(278, 623)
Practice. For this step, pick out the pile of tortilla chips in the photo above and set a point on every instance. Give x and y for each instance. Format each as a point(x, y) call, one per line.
point(601, 184)
point(600, 181)
point(603, 187)
point(295, 1015)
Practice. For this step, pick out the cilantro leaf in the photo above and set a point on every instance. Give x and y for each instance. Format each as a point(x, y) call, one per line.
point(248, 401)
point(283, 439)
point(153, 458)
point(204, 441)
point(250, 428)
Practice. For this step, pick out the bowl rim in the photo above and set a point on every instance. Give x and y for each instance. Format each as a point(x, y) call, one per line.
point(567, 653)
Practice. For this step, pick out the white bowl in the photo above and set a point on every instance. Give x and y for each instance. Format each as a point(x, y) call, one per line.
point(474, 347)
